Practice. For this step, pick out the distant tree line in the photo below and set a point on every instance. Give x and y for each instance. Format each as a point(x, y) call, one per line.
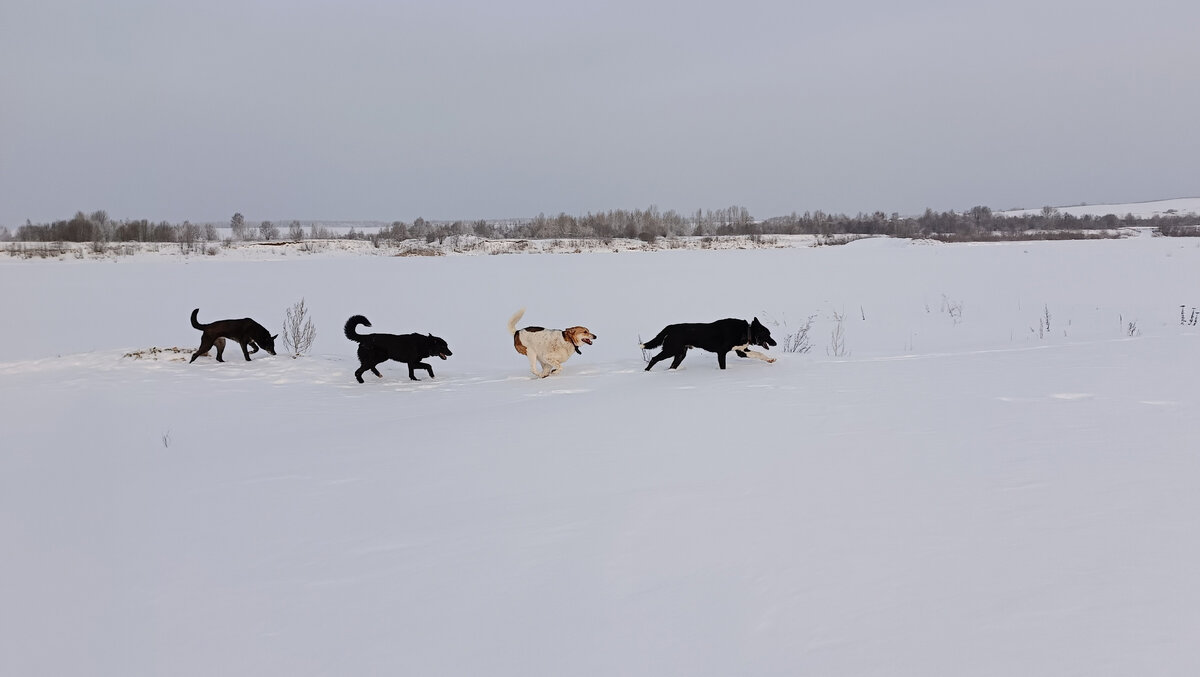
point(977, 223)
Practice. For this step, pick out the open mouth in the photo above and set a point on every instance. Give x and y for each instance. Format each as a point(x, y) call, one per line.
point(442, 355)
point(587, 340)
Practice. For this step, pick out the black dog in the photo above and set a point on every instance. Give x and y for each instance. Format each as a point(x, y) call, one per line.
point(718, 337)
point(407, 348)
point(245, 331)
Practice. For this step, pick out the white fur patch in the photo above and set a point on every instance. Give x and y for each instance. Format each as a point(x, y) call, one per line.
point(547, 348)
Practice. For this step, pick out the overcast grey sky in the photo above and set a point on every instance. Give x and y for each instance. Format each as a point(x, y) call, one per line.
point(451, 109)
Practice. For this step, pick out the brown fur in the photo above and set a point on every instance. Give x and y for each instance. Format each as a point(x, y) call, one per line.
point(517, 339)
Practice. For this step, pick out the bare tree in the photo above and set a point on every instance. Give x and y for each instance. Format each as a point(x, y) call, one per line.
point(268, 231)
point(237, 226)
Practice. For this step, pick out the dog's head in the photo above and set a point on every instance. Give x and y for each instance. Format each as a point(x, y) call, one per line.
point(578, 335)
point(760, 335)
point(267, 343)
point(438, 346)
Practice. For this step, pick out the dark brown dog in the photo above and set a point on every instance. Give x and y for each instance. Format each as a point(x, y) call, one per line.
point(245, 331)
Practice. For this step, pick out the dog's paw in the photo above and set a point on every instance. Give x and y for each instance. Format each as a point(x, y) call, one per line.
point(770, 360)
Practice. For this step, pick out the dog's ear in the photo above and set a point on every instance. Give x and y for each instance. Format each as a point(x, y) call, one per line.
point(275, 337)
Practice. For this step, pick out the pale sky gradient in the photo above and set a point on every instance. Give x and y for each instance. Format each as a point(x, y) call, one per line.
point(452, 109)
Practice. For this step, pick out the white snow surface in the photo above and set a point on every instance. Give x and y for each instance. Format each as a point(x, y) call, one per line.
point(964, 491)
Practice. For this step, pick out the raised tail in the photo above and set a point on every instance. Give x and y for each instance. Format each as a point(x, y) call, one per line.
point(512, 329)
point(656, 341)
point(196, 323)
point(512, 321)
point(352, 323)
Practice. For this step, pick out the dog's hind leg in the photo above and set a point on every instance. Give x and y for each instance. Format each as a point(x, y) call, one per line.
point(656, 359)
point(367, 359)
point(206, 345)
point(366, 366)
point(679, 358)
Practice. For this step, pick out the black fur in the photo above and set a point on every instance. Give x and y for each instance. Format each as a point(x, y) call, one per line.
point(716, 337)
point(407, 348)
point(245, 331)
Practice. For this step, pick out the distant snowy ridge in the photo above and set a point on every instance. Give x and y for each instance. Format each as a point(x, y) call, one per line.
point(1178, 206)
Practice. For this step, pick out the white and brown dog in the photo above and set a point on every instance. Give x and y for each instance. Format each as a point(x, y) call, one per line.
point(550, 347)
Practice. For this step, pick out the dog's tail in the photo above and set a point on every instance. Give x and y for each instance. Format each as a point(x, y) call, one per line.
point(196, 323)
point(512, 321)
point(352, 323)
point(656, 341)
point(512, 329)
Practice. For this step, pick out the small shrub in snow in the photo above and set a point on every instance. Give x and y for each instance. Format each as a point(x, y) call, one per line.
point(952, 308)
point(794, 341)
point(837, 336)
point(1188, 319)
point(298, 331)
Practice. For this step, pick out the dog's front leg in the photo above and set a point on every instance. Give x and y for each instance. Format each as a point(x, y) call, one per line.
point(245, 352)
point(412, 366)
point(760, 356)
point(533, 363)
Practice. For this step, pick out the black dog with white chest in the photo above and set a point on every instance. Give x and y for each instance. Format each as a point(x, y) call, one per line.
point(718, 337)
point(407, 348)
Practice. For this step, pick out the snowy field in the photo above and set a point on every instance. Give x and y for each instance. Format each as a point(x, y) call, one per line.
point(988, 466)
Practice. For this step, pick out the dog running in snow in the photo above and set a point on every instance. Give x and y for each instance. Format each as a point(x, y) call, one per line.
point(407, 348)
point(245, 331)
point(718, 337)
point(549, 347)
